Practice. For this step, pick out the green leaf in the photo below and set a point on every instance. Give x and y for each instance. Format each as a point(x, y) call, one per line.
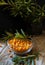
point(23, 33)
point(3, 3)
point(9, 34)
point(43, 13)
point(18, 35)
point(33, 62)
point(10, 3)
point(29, 1)
point(43, 10)
point(29, 10)
point(29, 62)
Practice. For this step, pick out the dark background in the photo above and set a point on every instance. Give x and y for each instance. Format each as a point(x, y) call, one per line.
point(8, 22)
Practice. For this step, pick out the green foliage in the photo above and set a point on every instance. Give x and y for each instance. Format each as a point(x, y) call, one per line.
point(9, 35)
point(6, 36)
point(43, 10)
point(2, 2)
point(29, 59)
point(24, 8)
point(26, 60)
point(20, 35)
point(18, 7)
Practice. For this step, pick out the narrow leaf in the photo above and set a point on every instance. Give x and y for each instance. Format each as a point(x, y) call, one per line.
point(23, 33)
point(3, 3)
point(29, 10)
point(32, 61)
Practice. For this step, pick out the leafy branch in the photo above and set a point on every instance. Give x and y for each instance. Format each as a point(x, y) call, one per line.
point(24, 8)
point(9, 35)
point(2, 2)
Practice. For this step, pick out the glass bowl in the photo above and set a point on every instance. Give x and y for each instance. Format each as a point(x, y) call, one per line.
point(23, 52)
